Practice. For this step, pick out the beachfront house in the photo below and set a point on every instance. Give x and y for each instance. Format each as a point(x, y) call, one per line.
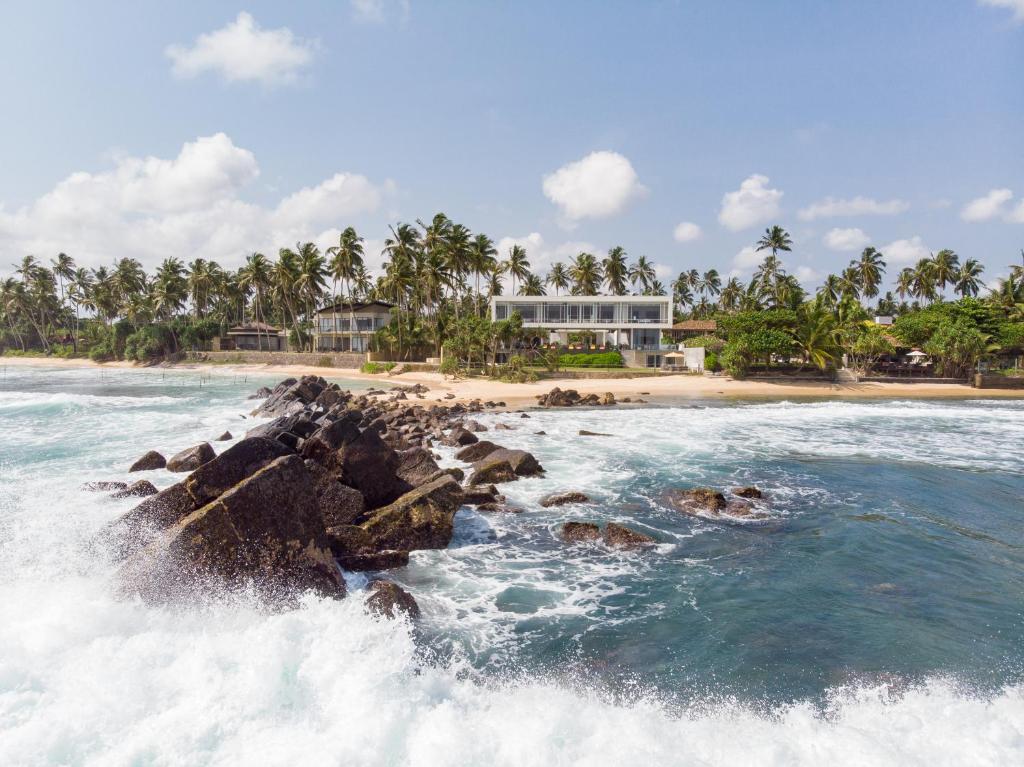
point(251, 337)
point(349, 327)
point(632, 324)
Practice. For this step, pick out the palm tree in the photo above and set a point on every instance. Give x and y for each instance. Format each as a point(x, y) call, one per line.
point(481, 262)
point(517, 266)
point(284, 275)
point(830, 292)
point(345, 258)
point(558, 277)
point(681, 292)
point(257, 276)
point(532, 286)
point(945, 267)
point(710, 283)
point(775, 239)
point(817, 336)
point(311, 281)
point(905, 283)
point(923, 280)
point(642, 273)
point(616, 271)
point(585, 275)
point(967, 278)
point(656, 288)
point(870, 268)
point(731, 294)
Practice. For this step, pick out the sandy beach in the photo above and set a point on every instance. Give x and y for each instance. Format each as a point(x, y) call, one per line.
point(660, 389)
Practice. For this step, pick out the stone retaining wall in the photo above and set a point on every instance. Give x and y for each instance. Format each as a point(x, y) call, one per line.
point(982, 381)
point(317, 359)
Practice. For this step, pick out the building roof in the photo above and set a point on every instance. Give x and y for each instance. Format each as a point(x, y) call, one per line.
point(709, 325)
point(354, 306)
point(251, 328)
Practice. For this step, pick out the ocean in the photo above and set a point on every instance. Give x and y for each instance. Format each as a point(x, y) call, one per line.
point(876, 616)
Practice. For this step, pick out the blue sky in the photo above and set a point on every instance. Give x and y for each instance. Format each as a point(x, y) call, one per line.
point(211, 129)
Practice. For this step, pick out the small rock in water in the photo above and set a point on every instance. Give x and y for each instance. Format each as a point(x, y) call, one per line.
point(503, 427)
point(540, 433)
point(191, 458)
point(148, 462)
point(706, 498)
point(499, 507)
point(380, 560)
point(476, 451)
point(488, 472)
point(104, 487)
point(574, 532)
point(140, 489)
point(389, 599)
point(748, 492)
point(585, 433)
point(623, 537)
point(561, 499)
point(224, 437)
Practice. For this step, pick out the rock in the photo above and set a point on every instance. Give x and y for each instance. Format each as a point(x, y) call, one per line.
point(561, 499)
point(261, 393)
point(608, 399)
point(585, 433)
point(748, 492)
point(390, 600)
point(370, 466)
point(417, 466)
point(327, 440)
point(339, 504)
point(477, 451)
point(476, 496)
point(452, 471)
point(264, 533)
point(490, 471)
point(420, 519)
point(623, 537)
point(104, 487)
point(140, 489)
point(523, 463)
point(524, 415)
point(701, 498)
point(558, 398)
point(540, 433)
point(460, 437)
point(381, 560)
point(475, 426)
point(148, 462)
point(191, 458)
point(576, 532)
point(503, 508)
point(503, 427)
point(224, 437)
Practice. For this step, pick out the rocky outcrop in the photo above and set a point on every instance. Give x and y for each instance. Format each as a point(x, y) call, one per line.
point(570, 398)
point(264, 533)
point(481, 494)
point(420, 519)
point(417, 466)
point(148, 462)
point(191, 458)
point(371, 467)
point(620, 536)
point(225, 437)
point(577, 532)
point(101, 486)
point(709, 503)
point(477, 451)
point(379, 560)
point(748, 492)
point(460, 437)
point(390, 600)
point(140, 489)
point(328, 439)
point(562, 499)
point(524, 464)
point(491, 471)
point(699, 499)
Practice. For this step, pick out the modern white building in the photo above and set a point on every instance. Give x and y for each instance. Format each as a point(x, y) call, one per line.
point(349, 327)
point(629, 323)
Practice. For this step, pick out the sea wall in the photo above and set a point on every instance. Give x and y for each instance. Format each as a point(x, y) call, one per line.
point(983, 381)
point(318, 359)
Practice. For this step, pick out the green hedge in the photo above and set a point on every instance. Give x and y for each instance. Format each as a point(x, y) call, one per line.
point(600, 360)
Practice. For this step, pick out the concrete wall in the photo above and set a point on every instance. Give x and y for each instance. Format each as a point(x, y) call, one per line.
point(321, 359)
point(982, 381)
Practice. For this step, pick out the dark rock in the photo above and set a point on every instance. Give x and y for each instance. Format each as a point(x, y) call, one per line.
point(748, 492)
point(623, 537)
point(475, 452)
point(490, 471)
point(265, 533)
point(390, 600)
point(503, 427)
point(381, 560)
point(326, 441)
point(191, 458)
point(540, 433)
point(417, 466)
point(370, 466)
point(523, 463)
point(475, 426)
point(229, 468)
point(562, 499)
point(699, 498)
point(460, 437)
point(608, 399)
point(502, 508)
point(224, 437)
point(524, 415)
point(576, 532)
point(585, 433)
point(104, 487)
point(420, 519)
point(475, 496)
point(148, 462)
point(558, 398)
point(140, 489)
point(339, 504)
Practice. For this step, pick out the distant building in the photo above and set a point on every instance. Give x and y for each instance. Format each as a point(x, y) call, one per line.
point(883, 320)
point(691, 329)
point(349, 327)
point(254, 336)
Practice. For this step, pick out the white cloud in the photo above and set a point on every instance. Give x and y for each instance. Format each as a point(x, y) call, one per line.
point(906, 251)
point(599, 185)
point(832, 207)
point(243, 52)
point(1016, 216)
point(378, 11)
point(1017, 6)
point(807, 276)
point(747, 259)
point(992, 205)
point(753, 203)
point(846, 239)
point(687, 231)
point(542, 255)
point(152, 208)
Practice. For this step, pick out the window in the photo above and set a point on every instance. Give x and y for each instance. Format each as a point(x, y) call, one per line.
point(529, 312)
point(606, 312)
point(554, 312)
point(586, 313)
point(501, 311)
point(645, 313)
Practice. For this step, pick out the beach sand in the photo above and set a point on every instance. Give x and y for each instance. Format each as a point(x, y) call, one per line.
point(660, 389)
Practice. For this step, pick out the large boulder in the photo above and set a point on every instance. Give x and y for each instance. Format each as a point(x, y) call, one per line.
point(417, 466)
point(620, 536)
point(339, 504)
point(561, 499)
point(265, 533)
point(748, 492)
point(324, 443)
point(523, 463)
point(390, 600)
point(558, 398)
point(491, 471)
point(291, 396)
point(460, 437)
point(371, 467)
point(378, 560)
point(420, 519)
point(191, 458)
point(698, 499)
point(140, 489)
point(576, 532)
point(148, 462)
point(476, 451)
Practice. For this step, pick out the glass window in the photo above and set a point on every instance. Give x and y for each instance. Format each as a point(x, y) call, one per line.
point(606, 312)
point(528, 312)
point(586, 313)
point(645, 312)
point(501, 311)
point(554, 312)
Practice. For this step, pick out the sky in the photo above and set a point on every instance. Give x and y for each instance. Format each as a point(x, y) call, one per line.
point(678, 130)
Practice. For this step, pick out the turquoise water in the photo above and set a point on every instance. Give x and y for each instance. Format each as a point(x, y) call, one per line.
point(877, 617)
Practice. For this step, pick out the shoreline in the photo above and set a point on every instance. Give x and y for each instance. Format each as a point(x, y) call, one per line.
point(653, 390)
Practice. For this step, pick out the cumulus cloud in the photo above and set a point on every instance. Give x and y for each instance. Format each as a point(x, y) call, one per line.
point(152, 208)
point(993, 205)
point(243, 52)
point(747, 259)
point(541, 254)
point(1016, 6)
point(846, 239)
point(753, 203)
point(807, 276)
point(687, 231)
point(378, 11)
point(832, 207)
point(906, 251)
point(598, 186)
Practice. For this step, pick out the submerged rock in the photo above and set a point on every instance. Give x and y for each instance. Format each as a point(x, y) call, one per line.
point(700, 498)
point(148, 462)
point(561, 499)
point(585, 433)
point(390, 600)
point(191, 458)
point(575, 532)
point(748, 492)
point(621, 536)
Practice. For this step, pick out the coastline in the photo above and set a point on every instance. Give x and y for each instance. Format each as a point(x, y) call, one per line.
point(653, 390)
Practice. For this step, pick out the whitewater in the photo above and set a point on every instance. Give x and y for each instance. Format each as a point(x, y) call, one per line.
point(876, 618)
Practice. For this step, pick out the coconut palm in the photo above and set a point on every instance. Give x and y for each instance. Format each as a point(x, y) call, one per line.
point(905, 283)
point(968, 282)
point(517, 266)
point(732, 292)
point(616, 271)
point(945, 267)
point(558, 277)
point(641, 274)
point(710, 283)
point(343, 261)
point(869, 267)
point(681, 292)
point(774, 239)
point(169, 288)
point(532, 286)
point(585, 275)
point(481, 262)
point(257, 276)
point(923, 280)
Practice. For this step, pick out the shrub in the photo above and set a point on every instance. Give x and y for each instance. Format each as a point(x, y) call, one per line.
point(955, 347)
point(599, 360)
point(377, 367)
point(735, 358)
point(711, 343)
point(711, 361)
point(450, 367)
